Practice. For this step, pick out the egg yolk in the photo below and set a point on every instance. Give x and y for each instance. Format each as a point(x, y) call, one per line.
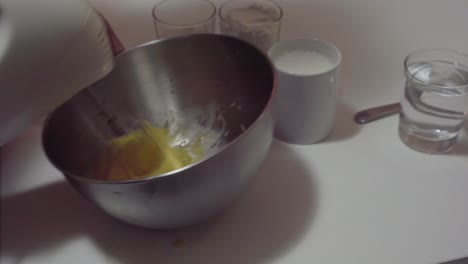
point(145, 152)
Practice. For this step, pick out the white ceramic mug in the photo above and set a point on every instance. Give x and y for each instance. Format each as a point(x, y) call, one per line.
point(306, 98)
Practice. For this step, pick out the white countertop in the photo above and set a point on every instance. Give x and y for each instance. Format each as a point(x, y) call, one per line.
point(359, 197)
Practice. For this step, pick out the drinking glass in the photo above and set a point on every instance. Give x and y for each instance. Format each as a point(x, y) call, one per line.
point(305, 103)
point(181, 17)
point(256, 21)
point(435, 99)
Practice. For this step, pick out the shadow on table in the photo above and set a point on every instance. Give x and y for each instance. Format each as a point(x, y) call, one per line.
point(345, 127)
point(44, 218)
point(267, 221)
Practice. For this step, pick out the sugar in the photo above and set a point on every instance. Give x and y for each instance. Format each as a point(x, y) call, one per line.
point(303, 62)
point(253, 23)
point(253, 16)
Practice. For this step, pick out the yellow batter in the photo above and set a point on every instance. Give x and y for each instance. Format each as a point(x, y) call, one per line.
point(143, 153)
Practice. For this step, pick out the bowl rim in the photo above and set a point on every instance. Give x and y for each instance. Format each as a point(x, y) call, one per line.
point(222, 149)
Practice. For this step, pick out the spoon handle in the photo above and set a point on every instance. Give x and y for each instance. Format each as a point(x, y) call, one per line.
point(375, 113)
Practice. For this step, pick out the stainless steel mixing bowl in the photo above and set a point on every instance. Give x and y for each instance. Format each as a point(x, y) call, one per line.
point(186, 78)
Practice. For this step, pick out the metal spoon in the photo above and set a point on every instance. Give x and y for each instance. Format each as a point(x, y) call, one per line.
point(375, 113)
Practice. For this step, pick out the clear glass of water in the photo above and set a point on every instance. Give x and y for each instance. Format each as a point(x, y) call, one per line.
point(435, 99)
point(255, 21)
point(182, 17)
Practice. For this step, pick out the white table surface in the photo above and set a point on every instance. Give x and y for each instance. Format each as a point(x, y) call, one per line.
point(359, 197)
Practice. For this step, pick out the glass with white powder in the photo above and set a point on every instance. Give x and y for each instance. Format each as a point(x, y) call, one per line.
point(256, 21)
point(183, 17)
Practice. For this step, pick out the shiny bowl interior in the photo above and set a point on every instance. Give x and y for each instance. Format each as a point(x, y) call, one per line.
point(187, 80)
point(215, 83)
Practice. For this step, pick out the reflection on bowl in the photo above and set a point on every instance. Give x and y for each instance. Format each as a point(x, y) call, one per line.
point(215, 86)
